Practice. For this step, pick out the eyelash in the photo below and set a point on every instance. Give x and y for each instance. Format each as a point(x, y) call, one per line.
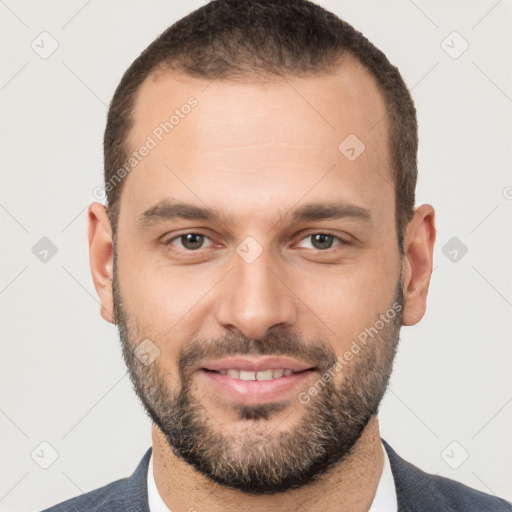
point(190, 252)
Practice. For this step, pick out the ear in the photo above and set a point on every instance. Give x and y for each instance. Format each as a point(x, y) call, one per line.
point(417, 263)
point(101, 257)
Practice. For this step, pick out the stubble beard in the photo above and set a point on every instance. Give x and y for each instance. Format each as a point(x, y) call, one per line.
point(258, 460)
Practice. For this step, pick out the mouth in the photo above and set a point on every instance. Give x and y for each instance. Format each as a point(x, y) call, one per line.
point(252, 381)
point(261, 375)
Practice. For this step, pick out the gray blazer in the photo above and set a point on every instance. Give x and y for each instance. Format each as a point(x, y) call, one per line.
point(416, 492)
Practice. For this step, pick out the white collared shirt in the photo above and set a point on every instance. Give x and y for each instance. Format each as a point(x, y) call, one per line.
point(385, 495)
point(384, 500)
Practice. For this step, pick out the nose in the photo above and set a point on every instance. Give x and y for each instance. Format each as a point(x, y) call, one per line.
point(253, 299)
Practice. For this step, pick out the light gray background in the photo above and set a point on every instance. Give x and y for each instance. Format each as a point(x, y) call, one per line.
point(62, 376)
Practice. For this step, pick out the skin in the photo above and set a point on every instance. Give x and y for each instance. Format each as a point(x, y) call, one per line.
point(254, 151)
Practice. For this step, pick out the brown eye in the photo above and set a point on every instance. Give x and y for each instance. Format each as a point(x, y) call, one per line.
point(322, 241)
point(192, 241)
point(188, 241)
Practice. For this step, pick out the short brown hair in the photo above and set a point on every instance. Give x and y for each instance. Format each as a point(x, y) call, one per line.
point(243, 38)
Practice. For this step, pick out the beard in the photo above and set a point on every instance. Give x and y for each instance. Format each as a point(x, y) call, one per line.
point(257, 460)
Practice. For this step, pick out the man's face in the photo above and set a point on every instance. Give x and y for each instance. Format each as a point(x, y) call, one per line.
point(299, 258)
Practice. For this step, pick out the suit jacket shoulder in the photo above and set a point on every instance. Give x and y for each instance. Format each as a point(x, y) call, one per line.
point(418, 491)
point(125, 495)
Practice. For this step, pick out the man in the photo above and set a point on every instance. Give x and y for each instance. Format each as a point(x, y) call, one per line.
point(259, 254)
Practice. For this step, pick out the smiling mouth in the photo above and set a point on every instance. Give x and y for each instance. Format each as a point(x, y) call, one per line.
point(261, 375)
point(249, 380)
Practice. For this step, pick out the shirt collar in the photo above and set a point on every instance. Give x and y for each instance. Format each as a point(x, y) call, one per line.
point(385, 496)
point(156, 503)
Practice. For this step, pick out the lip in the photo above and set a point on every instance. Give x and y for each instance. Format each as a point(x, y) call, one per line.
point(254, 392)
point(256, 364)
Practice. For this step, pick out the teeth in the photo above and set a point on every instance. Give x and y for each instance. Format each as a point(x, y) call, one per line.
point(247, 375)
point(259, 376)
point(265, 375)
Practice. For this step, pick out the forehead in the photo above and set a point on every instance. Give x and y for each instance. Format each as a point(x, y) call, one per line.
point(268, 140)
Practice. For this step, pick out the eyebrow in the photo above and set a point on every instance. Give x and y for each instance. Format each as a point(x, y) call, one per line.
point(168, 209)
point(330, 211)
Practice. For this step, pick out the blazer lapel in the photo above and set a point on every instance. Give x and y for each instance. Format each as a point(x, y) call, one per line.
point(135, 497)
point(414, 489)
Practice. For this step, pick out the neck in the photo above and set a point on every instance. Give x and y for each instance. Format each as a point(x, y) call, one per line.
point(349, 486)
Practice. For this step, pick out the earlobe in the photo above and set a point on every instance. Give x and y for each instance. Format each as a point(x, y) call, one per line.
point(417, 263)
point(101, 255)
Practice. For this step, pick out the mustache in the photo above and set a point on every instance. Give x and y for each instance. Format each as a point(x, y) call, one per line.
point(316, 353)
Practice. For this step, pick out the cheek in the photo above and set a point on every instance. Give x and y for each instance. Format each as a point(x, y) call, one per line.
point(152, 289)
point(350, 299)
point(165, 303)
